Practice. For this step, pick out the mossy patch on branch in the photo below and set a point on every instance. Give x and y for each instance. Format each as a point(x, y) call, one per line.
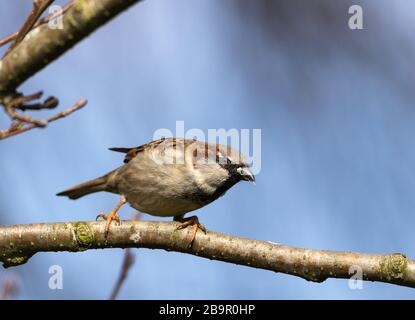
point(394, 266)
point(12, 261)
point(84, 236)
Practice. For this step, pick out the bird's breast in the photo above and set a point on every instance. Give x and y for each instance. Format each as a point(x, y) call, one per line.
point(160, 190)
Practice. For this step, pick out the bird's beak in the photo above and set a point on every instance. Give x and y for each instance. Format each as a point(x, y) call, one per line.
point(246, 174)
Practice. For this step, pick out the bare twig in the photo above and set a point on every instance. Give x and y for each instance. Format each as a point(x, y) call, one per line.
point(18, 243)
point(39, 6)
point(39, 50)
point(18, 101)
point(8, 38)
point(8, 288)
point(23, 118)
point(23, 99)
point(44, 20)
point(53, 15)
point(17, 128)
point(49, 103)
point(127, 263)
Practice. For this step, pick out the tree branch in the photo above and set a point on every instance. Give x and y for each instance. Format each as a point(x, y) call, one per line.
point(32, 51)
point(39, 6)
point(47, 44)
point(44, 20)
point(19, 127)
point(18, 243)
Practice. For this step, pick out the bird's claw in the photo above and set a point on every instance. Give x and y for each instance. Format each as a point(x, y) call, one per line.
point(108, 219)
point(111, 216)
point(194, 222)
point(101, 215)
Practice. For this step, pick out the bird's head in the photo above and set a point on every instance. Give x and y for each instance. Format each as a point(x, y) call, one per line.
point(218, 167)
point(235, 163)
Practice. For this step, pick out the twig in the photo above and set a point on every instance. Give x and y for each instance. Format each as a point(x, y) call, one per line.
point(49, 103)
point(15, 102)
point(8, 288)
point(39, 6)
point(80, 19)
point(8, 38)
point(18, 243)
point(38, 51)
point(53, 15)
point(44, 20)
point(22, 118)
point(20, 128)
point(18, 101)
point(127, 263)
point(78, 105)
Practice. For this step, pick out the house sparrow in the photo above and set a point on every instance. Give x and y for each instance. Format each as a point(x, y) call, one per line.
point(168, 178)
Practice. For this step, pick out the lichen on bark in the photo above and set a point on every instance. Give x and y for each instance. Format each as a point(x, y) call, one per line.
point(83, 235)
point(393, 266)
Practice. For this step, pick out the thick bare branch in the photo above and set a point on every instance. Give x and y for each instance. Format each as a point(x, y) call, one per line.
point(18, 243)
point(45, 44)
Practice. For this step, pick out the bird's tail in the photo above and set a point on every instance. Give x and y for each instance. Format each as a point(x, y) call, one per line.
point(92, 186)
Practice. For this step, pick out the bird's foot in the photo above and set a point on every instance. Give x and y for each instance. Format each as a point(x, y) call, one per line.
point(192, 221)
point(112, 216)
point(108, 219)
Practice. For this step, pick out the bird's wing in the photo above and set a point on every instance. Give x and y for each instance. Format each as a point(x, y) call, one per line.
point(131, 153)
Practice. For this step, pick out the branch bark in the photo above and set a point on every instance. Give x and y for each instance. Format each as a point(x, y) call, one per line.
point(18, 243)
point(44, 20)
point(39, 6)
point(43, 44)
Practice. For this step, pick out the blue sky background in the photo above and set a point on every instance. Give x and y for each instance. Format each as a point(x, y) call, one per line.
point(335, 108)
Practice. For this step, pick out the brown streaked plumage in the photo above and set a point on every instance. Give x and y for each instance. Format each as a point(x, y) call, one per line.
point(170, 177)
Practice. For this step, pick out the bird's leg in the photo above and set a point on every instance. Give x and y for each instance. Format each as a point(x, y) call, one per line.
point(112, 215)
point(190, 221)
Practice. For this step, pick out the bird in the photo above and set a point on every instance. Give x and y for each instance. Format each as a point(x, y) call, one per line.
point(169, 177)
